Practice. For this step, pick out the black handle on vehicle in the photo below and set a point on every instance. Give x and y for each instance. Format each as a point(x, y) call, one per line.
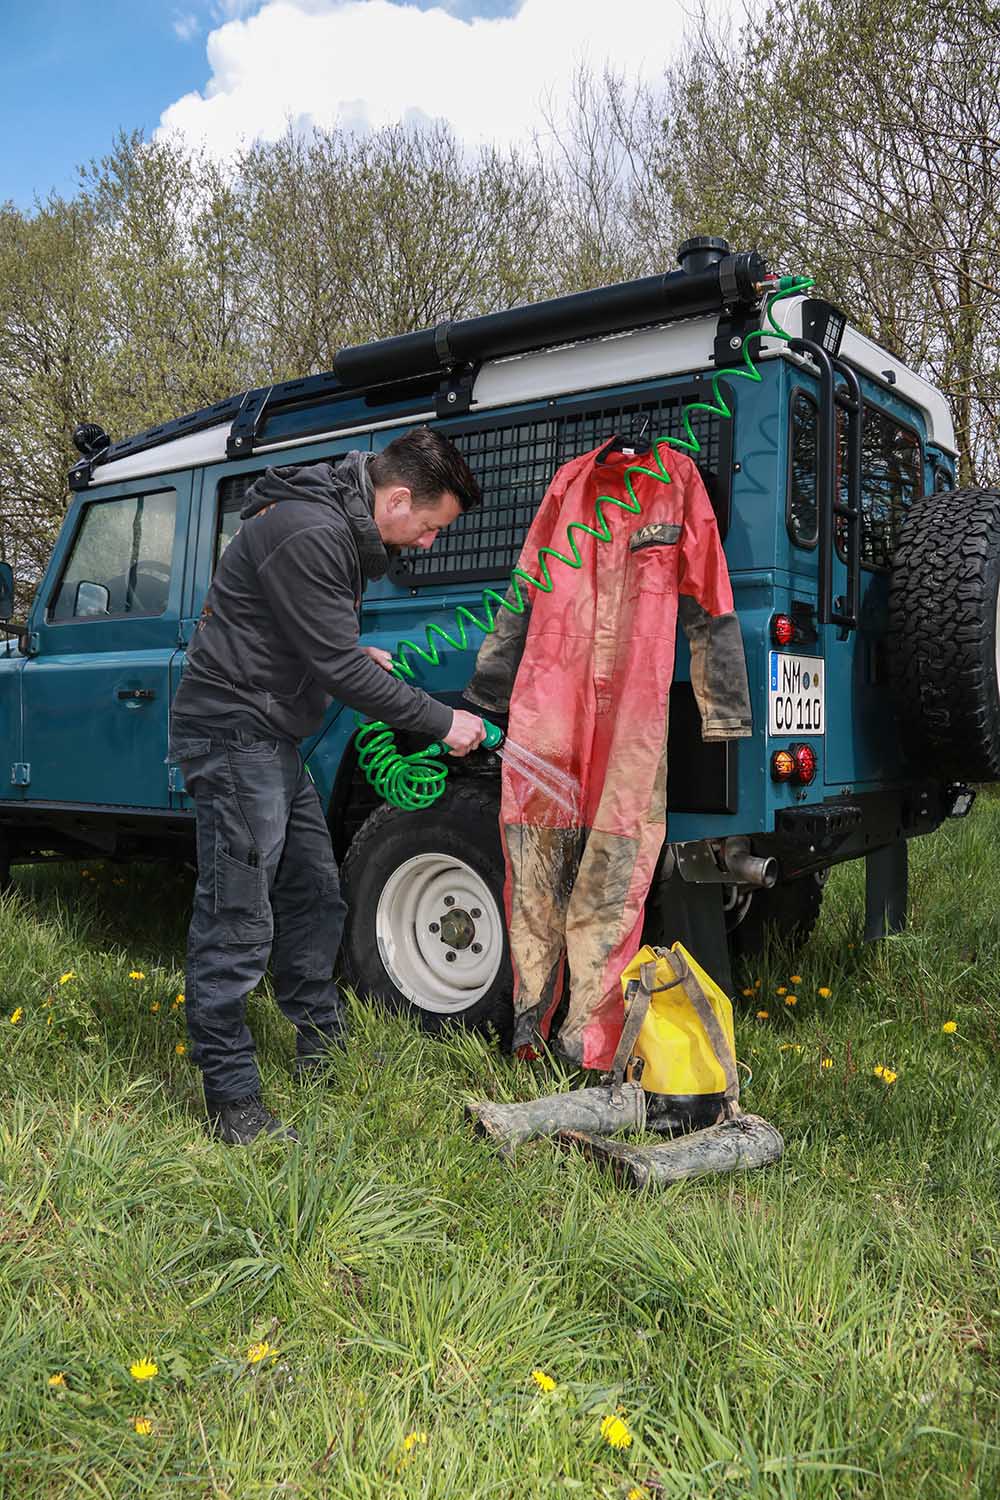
point(843, 612)
point(136, 695)
point(850, 509)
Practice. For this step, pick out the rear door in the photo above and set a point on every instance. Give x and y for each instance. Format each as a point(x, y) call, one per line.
point(103, 631)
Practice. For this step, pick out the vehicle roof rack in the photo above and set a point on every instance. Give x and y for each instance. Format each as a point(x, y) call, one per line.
point(442, 362)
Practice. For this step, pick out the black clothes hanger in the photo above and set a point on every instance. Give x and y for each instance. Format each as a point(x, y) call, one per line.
point(636, 442)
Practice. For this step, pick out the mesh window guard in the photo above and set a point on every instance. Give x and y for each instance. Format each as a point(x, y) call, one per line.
point(514, 459)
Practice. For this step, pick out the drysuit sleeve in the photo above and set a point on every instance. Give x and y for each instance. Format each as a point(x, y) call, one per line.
point(499, 657)
point(705, 608)
point(308, 588)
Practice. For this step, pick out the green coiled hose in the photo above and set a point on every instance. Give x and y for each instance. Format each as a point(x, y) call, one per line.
point(415, 781)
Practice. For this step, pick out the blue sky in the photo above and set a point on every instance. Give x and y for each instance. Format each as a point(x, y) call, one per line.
point(220, 72)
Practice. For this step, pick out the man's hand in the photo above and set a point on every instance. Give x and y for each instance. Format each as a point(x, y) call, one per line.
point(467, 731)
point(379, 657)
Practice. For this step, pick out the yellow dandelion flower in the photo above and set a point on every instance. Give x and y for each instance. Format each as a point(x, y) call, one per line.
point(635, 1493)
point(824, 992)
point(795, 979)
point(48, 1020)
point(143, 1369)
point(178, 999)
point(260, 1351)
point(181, 1048)
point(826, 1062)
point(886, 1074)
point(65, 978)
point(790, 1047)
point(15, 1016)
point(155, 1006)
point(58, 1380)
point(412, 1439)
point(136, 974)
point(762, 1015)
point(791, 999)
point(756, 984)
point(544, 1382)
point(747, 994)
point(143, 1426)
point(615, 1432)
point(949, 1027)
point(781, 990)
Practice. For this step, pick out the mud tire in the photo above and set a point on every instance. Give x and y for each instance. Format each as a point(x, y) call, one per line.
point(786, 913)
point(943, 665)
point(464, 823)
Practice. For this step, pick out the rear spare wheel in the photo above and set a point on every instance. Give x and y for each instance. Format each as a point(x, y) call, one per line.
point(943, 637)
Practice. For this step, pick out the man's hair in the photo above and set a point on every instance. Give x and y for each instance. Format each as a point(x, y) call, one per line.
point(428, 465)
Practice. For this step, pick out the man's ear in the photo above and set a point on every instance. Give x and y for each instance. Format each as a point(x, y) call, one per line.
point(400, 500)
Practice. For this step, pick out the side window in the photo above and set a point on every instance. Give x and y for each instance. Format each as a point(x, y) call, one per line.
point(121, 560)
point(515, 456)
point(801, 508)
point(892, 469)
point(232, 497)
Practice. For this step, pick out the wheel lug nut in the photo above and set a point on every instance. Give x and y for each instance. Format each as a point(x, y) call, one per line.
point(450, 955)
point(433, 927)
point(449, 901)
point(475, 912)
point(477, 947)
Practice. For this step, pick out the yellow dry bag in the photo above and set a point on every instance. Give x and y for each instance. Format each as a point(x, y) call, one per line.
point(677, 1037)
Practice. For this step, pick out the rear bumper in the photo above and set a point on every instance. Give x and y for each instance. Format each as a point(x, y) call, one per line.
point(815, 835)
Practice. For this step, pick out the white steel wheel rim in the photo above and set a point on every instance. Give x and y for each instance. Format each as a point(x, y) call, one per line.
point(433, 905)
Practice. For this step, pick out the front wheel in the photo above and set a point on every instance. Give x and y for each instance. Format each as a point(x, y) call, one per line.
point(425, 929)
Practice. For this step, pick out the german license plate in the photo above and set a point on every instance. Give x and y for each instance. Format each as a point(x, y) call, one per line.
point(795, 696)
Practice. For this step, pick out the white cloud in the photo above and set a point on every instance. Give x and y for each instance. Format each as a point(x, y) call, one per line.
point(186, 27)
point(369, 63)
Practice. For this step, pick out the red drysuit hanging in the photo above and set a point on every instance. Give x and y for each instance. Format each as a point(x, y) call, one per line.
point(594, 661)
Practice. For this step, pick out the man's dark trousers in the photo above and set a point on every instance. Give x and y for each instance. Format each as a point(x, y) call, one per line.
point(267, 884)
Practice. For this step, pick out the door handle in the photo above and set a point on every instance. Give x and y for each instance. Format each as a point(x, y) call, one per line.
point(136, 695)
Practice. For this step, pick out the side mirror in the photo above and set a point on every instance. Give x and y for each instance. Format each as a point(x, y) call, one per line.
point(6, 591)
point(91, 599)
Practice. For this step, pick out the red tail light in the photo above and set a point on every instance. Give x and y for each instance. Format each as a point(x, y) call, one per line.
point(782, 630)
point(804, 757)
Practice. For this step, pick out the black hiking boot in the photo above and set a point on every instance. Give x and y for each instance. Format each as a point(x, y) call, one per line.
point(238, 1122)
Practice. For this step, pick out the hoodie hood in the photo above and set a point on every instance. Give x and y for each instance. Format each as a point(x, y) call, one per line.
point(344, 487)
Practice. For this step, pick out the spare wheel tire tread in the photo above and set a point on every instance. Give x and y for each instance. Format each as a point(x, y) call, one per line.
point(942, 626)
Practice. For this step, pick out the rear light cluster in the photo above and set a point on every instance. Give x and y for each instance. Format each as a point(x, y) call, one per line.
point(782, 630)
point(797, 763)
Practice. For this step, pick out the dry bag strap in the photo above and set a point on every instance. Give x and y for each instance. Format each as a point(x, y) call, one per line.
point(716, 1036)
point(638, 994)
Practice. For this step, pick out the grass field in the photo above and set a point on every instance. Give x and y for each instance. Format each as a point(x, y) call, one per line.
point(827, 1327)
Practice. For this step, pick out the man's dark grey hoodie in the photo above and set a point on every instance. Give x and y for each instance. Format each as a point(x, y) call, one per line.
point(278, 635)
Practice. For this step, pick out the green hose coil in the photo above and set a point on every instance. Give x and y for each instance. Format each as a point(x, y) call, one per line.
point(415, 781)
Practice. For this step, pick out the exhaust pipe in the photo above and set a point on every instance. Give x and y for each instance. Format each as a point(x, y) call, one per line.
point(749, 869)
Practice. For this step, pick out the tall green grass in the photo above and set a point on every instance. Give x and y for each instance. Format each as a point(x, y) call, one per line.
point(826, 1327)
